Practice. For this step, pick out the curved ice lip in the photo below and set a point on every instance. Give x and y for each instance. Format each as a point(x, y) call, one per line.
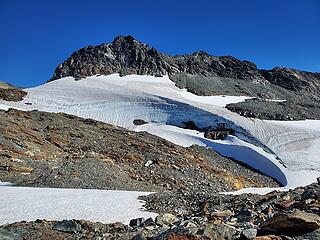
point(251, 157)
point(232, 147)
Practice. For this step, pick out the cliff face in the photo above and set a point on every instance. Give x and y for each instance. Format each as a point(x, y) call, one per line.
point(125, 55)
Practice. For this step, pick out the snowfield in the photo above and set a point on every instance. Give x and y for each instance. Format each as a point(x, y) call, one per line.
point(30, 204)
point(287, 151)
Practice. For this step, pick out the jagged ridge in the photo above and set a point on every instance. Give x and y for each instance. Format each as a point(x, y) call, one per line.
point(126, 55)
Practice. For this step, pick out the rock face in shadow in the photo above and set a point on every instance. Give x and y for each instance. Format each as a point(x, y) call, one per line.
point(126, 55)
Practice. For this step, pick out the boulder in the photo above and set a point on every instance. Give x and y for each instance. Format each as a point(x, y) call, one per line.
point(294, 223)
point(221, 214)
point(139, 122)
point(166, 219)
point(136, 222)
point(69, 226)
point(190, 125)
point(249, 233)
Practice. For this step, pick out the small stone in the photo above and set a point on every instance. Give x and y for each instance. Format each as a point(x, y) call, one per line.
point(136, 222)
point(286, 197)
point(183, 237)
point(118, 226)
point(190, 225)
point(221, 214)
point(222, 231)
point(285, 204)
point(70, 226)
point(250, 233)
point(308, 201)
point(150, 228)
point(148, 163)
point(166, 219)
point(309, 193)
point(108, 160)
point(138, 237)
point(148, 222)
point(139, 122)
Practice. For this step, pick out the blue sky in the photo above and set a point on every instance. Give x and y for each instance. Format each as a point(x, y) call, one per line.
point(37, 35)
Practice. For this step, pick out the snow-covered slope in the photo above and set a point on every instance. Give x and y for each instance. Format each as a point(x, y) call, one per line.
point(120, 100)
point(30, 204)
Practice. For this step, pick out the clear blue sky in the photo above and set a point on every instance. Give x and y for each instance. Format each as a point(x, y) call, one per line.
point(37, 35)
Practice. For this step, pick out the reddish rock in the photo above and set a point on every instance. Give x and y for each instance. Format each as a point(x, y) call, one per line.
point(292, 223)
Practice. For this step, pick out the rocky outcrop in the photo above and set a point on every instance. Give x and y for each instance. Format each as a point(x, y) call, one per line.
point(125, 55)
point(294, 109)
point(11, 93)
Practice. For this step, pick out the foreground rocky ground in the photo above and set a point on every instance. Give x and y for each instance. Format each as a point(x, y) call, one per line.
point(58, 150)
point(194, 216)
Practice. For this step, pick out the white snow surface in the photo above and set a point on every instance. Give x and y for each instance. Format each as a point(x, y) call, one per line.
point(287, 151)
point(106, 206)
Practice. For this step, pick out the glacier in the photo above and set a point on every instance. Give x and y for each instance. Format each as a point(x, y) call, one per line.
point(286, 151)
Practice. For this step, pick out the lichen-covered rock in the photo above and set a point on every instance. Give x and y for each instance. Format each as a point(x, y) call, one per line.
point(292, 223)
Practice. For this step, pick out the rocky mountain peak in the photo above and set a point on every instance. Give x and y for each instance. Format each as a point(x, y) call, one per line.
point(126, 55)
point(124, 39)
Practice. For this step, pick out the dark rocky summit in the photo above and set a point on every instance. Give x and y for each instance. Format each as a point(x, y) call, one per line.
point(59, 150)
point(125, 55)
point(202, 74)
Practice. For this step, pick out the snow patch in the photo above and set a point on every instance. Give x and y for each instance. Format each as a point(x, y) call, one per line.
point(106, 206)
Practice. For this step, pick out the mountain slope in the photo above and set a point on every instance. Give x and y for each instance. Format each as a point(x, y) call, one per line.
point(60, 150)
